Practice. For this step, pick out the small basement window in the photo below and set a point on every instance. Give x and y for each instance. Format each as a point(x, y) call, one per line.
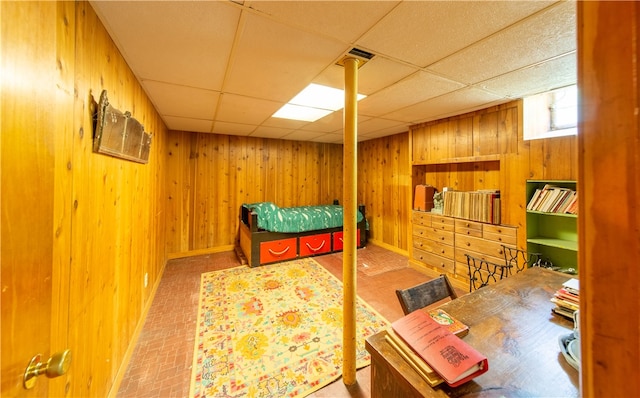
point(551, 114)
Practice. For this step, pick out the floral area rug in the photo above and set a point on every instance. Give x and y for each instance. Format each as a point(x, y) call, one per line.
point(273, 331)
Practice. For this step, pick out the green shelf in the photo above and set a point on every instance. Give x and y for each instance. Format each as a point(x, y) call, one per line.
point(555, 235)
point(544, 213)
point(558, 243)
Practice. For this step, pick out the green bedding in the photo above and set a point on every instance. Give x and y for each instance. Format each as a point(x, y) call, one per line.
point(297, 219)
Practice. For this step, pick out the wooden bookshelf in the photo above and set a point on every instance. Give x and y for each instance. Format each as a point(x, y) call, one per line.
point(552, 234)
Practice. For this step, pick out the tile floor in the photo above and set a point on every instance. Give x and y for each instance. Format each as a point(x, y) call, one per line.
point(161, 362)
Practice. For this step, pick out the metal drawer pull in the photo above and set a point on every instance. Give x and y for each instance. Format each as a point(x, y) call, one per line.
point(279, 253)
point(315, 249)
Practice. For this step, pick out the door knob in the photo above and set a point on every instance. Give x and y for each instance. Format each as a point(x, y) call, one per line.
point(56, 366)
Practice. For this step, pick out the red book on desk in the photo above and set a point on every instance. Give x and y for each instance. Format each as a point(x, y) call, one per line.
point(451, 357)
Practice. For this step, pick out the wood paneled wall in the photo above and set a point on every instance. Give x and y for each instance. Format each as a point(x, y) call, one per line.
point(384, 179)
point(209, 176)
point(90, 226)
point(485, 150)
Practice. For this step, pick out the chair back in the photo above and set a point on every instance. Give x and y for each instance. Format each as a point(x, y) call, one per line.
point(518, 260)
point(482, 272)
point(425, 294)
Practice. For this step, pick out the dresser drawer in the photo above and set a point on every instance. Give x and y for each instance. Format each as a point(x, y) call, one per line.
point(441, 263)
point(421, 218)
point(433, 247)
point(470, 228)
point(501, 238)
point(419, 230)
point(278, 250)
point(461, 258)
point(442, 223)
point(499, 229)
point(479, 245)
point(315, 244)
point(438, 235)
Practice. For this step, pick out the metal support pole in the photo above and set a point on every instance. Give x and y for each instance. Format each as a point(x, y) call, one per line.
point(350, 220)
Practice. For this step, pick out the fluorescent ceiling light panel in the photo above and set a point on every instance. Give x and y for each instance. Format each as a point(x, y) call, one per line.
point(314, 102)
point(297, 112)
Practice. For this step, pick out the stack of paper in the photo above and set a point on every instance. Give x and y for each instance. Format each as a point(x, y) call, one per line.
point(567, 299)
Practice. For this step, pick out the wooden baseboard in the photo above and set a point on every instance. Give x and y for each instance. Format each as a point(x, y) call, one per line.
point(113, 392)
point(388, 247)
point(199, 252)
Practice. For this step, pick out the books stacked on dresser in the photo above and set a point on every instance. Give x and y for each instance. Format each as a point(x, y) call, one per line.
point(434, 350)
point(567, 299)
point(482, 205)
point(553, 199)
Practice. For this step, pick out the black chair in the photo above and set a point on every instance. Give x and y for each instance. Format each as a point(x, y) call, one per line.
point(518, 260)
point(482, 272)
point(425, 294)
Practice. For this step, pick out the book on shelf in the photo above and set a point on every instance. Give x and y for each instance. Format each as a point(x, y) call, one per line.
point(572, 207)
point(482, 205)
point(553, 199)
point(567, 200)
point(535, 198)
point(454, 360)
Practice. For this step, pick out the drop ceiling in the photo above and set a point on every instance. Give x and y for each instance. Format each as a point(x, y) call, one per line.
point(224, 67)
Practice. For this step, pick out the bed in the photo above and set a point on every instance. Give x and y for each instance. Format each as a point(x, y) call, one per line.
point(270, 234)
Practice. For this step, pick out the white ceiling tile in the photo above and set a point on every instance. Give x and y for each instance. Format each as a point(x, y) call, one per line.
point(233, 128)
point(416, 88)
point(544, 36)
point(245, 109)
point(275, 61)
point(373, 76)
point(343, 20)
point(422, 32)
point(547, 76)
point(459, 100)
point(285, 123)
point(377, 124)
point(301, 135)
point(183, 101)
point(173, 41)
point(186, 124)
point(384, 133)
point(270, 132)
point(329, 139)
point(331, 122)
point(185, 53)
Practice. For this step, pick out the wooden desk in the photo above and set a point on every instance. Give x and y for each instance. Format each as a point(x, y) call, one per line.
point(512, 324)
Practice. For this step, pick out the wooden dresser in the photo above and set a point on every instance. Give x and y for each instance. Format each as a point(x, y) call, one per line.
point(441, 242)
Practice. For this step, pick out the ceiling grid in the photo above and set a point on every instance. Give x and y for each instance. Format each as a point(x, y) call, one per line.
point(225, 67)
